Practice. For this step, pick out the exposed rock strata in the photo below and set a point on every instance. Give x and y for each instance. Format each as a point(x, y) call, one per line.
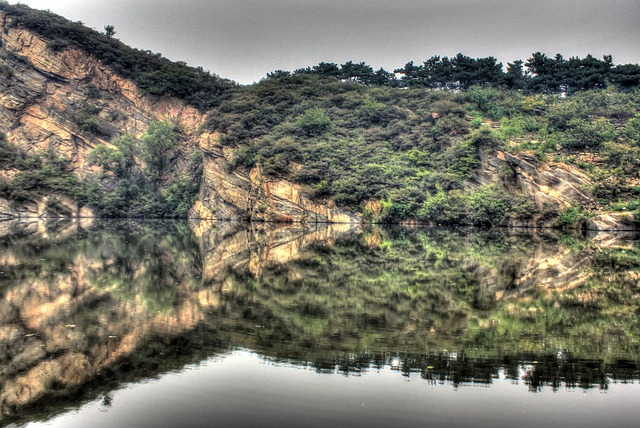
point(613, 222)
point(46, 91)
point(553, 187)
point(47, 88)
point(233, 195)
point(46, 206)
point(38, 102)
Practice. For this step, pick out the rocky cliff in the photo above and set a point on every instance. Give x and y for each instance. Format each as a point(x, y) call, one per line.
point(46, 92)
point(552, 186)
point(67, 101)
point(250, 195)
point(46, 89)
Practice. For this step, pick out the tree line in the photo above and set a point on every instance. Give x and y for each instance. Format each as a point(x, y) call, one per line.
point(539, 74)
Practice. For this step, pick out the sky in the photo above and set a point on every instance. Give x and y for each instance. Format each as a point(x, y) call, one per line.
point(243, 40)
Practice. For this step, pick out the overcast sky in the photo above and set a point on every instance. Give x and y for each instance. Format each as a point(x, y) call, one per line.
point(245, 39)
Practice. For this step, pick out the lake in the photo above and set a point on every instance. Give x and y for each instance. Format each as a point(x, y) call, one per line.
point(166, 323)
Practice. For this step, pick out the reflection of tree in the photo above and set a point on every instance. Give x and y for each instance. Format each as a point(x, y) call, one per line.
point(125, 300)
point(152, 265)
point(487, 295)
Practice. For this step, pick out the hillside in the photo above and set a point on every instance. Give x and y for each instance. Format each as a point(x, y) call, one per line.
point(89, 126)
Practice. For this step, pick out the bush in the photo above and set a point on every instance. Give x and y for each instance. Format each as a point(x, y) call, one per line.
point(488, 205)
point(572, 217)
point(632, 130)
point(583, 133)
point(313, 122)
point(443, 208)
point(11, 156)
point(154, 190)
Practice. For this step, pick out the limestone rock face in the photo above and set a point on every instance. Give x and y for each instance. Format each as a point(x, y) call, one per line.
point(47, 91)
point(616, 222)
point(237, 195)
point(552, 186)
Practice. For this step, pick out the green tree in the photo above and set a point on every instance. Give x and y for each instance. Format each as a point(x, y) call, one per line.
point(119, 159)
point(109, 31)
point(515, 77)
point(158, 148)
point(314, 122)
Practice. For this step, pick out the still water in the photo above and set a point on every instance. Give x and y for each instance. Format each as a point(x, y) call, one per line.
point(153, 324)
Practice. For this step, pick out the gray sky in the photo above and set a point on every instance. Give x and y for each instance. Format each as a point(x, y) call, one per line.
point(245, 39)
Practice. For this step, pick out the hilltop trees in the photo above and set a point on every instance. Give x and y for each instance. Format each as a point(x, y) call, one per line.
point(109, 30)
point(538, 74)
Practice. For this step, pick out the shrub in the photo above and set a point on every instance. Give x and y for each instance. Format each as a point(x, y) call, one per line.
point(443, 208)
point(582, 133)
point(488, 205)
point(313, 122)
point(486, 138)
point(572, 217)
point(632, 130)
point(476, 122)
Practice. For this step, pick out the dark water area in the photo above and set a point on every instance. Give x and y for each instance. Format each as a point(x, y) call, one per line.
point(161, 323)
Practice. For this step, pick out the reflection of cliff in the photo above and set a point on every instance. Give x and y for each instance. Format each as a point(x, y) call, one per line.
point(77, 306)
point(428, 289)
point(542, 265)
point(78, 301)
point(82, 306)
point(236, 246)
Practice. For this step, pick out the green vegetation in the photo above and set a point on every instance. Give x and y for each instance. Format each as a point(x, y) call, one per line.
point(572, 217)
point(354, 135)
point(152, 73)
point(415, 151)
point(125, 189)
point(539, 74)
point(154, 190)
point(354, 143)
point(36, 174)
point(88, 120)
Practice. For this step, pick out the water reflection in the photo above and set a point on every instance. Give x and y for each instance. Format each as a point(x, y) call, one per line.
point(85, 308)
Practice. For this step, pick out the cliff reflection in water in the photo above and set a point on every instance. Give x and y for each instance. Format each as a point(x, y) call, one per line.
point(85, 308)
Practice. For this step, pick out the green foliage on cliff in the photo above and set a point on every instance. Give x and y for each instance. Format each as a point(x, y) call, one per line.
point(34, 174)
point(152, 73)
point(352, 143)
point(155, 189)
point(158, 188)
point(487, 205)
point(416, 151)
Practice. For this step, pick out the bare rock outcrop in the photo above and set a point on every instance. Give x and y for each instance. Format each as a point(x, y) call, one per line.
point(613, 222)
point(48, 90)
point(228, 194)
point(553, 187)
